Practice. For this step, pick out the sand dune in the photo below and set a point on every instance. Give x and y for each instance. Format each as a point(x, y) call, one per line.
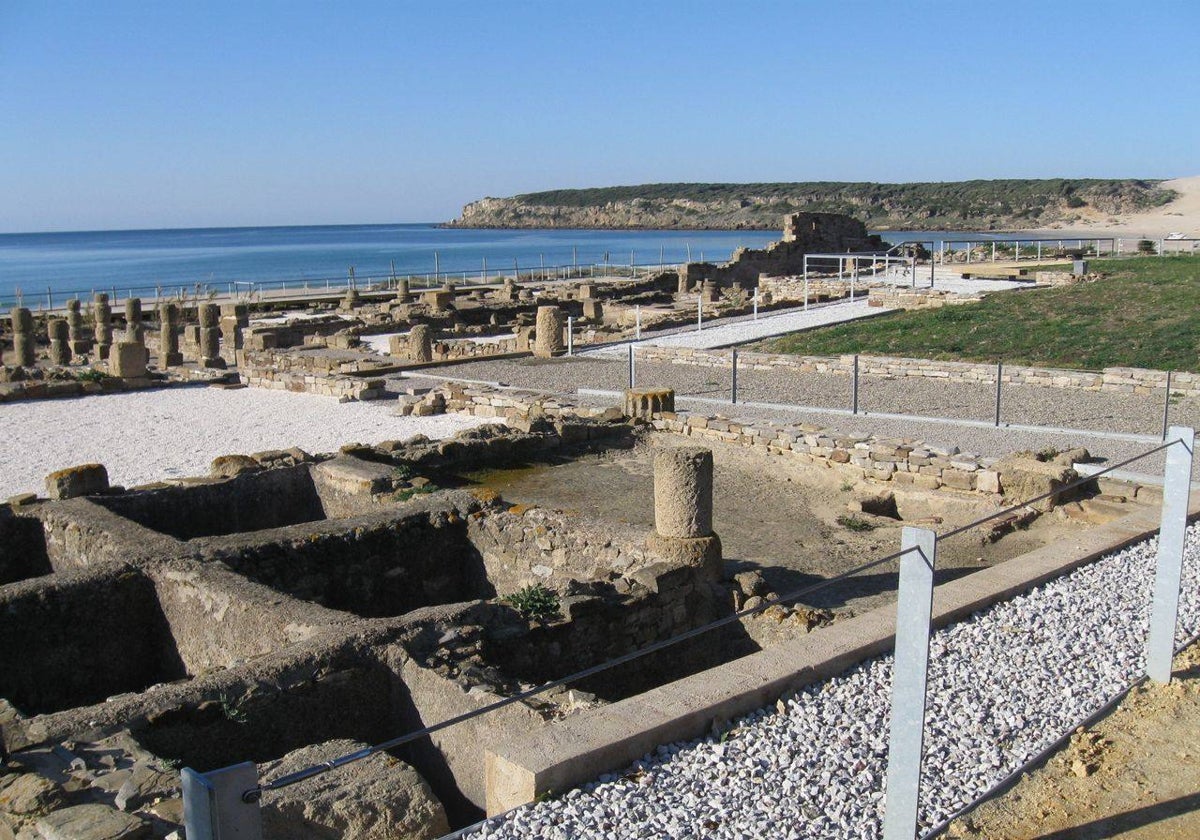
point(1182, 216)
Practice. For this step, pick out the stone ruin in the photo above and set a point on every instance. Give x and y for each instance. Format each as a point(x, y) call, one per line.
point(291, 608)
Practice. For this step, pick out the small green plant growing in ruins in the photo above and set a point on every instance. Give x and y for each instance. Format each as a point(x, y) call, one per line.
point(408, 492)
point(232, 709)
point(534, 602)
point(855, 523)
point(847, 486)
point(1147, 246)
point(91, 375)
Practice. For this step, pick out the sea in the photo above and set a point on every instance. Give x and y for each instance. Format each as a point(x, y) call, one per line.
point(46, 268)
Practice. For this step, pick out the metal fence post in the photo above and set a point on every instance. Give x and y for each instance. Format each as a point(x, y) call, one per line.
point(570, 336)
point(854, 388)
point(637, 315)
point(909, 672)
point(1166, 406)
point(700, 311)
point(999, 382)
point(733, 391)
point(213, 808)
point(1164, 609)
point(631, 372)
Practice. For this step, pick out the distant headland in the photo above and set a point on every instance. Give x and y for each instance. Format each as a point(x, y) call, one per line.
point(1010, 204)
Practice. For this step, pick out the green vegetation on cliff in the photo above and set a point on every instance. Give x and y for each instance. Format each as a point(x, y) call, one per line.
point(962, 205)
point(1142, 312)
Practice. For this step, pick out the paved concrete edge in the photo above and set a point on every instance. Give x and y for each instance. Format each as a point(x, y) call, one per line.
point(580, 748)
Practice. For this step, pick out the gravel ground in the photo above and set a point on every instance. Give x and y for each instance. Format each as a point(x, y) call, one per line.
point(146, 436)
point(1020, 404)
point(1004, 684)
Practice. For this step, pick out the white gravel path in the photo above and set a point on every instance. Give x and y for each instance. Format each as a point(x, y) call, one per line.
point(150, 435)
point(1004, 684)
point(720, 335)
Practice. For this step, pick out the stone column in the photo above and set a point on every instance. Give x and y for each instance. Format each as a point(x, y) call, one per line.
point(684, 286)
point(135, 333)
point(210, 336)
point(81, 345)
point(593, 310)
point(403, 295)
point(102, 313)
point(235, 317)
point(168, 337)
point(420, 343)
point(711, 291)
point(60, 342)
point(548, 335)
point(24, 340)
point(683, 505)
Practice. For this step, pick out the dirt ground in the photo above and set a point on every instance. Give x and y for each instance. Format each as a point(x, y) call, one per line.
point(1182, 215)
point(1135, 774)
point(780, 517)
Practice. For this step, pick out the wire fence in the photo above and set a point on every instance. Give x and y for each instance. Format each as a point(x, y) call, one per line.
point(224, 803)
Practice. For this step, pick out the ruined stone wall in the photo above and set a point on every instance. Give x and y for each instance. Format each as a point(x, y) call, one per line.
point(791, 287)
point(248, 502)
point(891, 297)
point(78, 637)
point(372, 565)
point(803, 233)
point(1115, 379)
point(293, 372)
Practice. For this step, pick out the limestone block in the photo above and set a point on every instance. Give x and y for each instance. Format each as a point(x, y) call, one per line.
point(209, 315)
point(593, 310)
point(92, 822)
point(644, 403)
point(82, 480)
point(227, 466)
point(128, 360)
point(683, 486)
point(1022, 479)
point(372, 799)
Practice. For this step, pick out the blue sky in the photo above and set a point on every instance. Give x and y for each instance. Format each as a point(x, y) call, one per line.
point(118, 115)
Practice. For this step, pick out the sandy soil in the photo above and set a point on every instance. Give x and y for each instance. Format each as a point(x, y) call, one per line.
point(1135, 774)
point(1181, 215)
point(781, 517)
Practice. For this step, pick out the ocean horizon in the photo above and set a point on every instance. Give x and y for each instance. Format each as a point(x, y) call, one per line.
point(49, 266)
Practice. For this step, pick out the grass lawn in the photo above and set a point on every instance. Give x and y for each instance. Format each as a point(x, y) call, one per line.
point(1143, 312)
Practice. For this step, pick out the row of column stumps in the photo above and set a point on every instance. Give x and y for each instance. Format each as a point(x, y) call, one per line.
point(126, 355)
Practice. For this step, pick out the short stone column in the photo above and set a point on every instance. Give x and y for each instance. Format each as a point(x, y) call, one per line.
point(644, 403)
point(403, 295)
point(420, 343)
point(683, 287)
point(209, 338)
point(351, 301)
point(60, 342)
point(128, 360)
point(711, 291)
point(81, 345)
point(24, 339)
point(683, 508)
point(135, 332)
point(548, 335)
point(102, 315)
point(168, 336)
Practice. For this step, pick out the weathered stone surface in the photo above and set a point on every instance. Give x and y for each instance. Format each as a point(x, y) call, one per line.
point(1022, 479)
point(227, 466)
point(30, 795)
point(92, 822)
point(751, 583)
point(683, 485)
point(420, 343)
point(644, 403)
point(128, 360)
point(548, 333)
point(374, 798)
point(144, 785)
point(77, 481)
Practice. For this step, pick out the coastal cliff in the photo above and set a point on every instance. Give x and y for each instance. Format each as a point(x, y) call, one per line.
point(963, 205)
